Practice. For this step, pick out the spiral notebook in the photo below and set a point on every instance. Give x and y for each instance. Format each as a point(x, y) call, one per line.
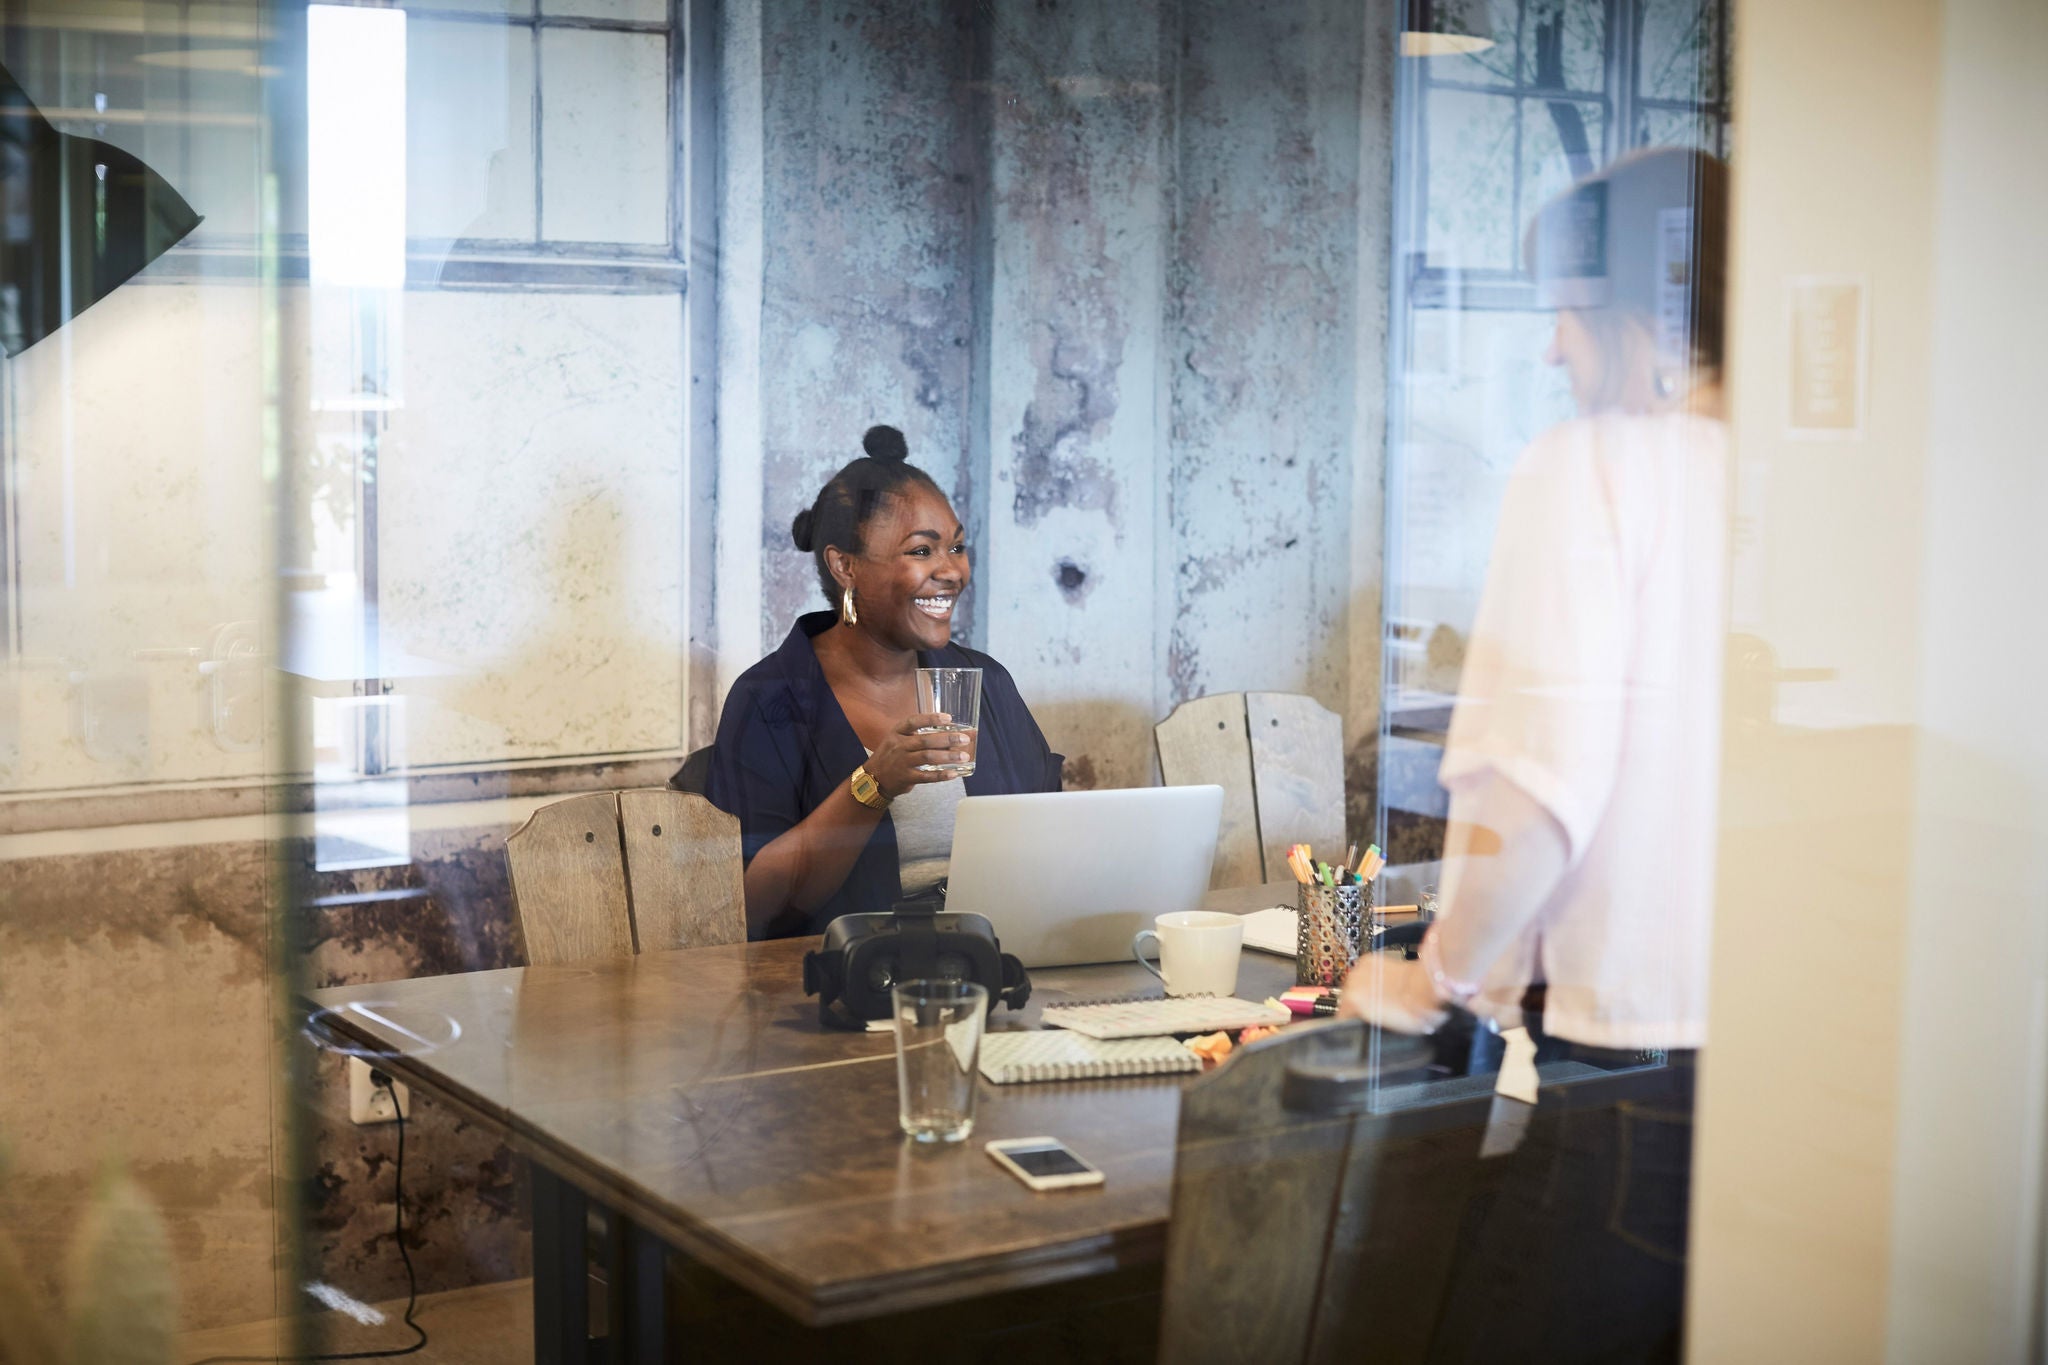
point(1152, 1016)
point(1058, 1055)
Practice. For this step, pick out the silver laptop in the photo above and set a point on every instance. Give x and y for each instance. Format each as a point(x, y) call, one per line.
point(1069, 877)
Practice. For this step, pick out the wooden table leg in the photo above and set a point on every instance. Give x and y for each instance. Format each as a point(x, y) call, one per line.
point(561, 1272)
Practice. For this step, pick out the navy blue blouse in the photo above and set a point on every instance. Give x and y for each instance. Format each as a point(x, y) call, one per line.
point(784, 746)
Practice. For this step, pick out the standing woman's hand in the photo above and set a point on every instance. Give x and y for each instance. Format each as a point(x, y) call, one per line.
point(1399, 996)
point(899, 764)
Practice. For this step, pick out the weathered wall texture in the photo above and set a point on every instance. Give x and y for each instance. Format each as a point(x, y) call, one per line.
point(1078, 184)
point(1264, 267)
point(136, 990)
point(1276, 367)
point(866, 300)
point(448, 910)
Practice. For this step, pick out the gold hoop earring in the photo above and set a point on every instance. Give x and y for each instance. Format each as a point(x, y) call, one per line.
point(848, 613)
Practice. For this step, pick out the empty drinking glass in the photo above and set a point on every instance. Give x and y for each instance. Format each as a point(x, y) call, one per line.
point(955, 692)
point(938, 1046)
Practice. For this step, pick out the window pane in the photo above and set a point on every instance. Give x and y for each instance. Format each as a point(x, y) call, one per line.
point(469, 131)
point(605, 162)
point(585, 655)
point(1561, 142)
point(1680, 59)
point(1471, 181)
point(1565, 44)
point(124, 586)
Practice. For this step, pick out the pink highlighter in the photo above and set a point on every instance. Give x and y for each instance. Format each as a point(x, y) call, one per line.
point(1312, 1001)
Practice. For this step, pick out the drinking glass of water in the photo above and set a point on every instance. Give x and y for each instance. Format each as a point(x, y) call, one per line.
point(957, 693)
point(938, 1045)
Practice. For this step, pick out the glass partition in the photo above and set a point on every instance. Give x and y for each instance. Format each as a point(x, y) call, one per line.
point(140, 1105)
point(486, 344)
point(1486, 138)
point(479, 479)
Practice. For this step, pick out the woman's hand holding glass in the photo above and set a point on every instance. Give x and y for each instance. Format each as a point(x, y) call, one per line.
point(918, 751)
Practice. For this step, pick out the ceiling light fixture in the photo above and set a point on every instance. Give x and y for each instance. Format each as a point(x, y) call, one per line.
point(1445, 28)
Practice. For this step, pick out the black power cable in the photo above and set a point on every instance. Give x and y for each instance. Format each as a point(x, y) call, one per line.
point(412, 1284)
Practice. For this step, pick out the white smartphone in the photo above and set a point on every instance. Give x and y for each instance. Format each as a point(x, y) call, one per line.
point(1043, 1163)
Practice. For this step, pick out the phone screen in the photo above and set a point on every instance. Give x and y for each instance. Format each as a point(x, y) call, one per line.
point(1038, 1161)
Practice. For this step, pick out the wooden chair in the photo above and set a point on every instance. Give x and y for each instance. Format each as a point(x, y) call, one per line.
point(610, 874)
point(1320, 1193)
point(1279, 758)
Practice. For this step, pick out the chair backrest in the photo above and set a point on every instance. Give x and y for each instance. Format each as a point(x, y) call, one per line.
point(1320, 1195)
point(1204, 741)
point(569, 881)
point(1279, 758)
point(608, 874)
point(684, 880)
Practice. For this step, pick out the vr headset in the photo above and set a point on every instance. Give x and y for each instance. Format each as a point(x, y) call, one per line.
point(865, 955)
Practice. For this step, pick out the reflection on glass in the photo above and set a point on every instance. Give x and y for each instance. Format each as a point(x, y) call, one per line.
point(462, 436)
point(1561, 141)
point(1475, 134)
point(1582, 760)
point(1556, 543)
point(1470, 390)
point(1496, 64)
point(78, 218)
point(1683, 54)
point(355, 136)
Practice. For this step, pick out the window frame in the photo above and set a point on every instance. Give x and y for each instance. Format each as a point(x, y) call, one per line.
point(517, 264)
point(1619, 98)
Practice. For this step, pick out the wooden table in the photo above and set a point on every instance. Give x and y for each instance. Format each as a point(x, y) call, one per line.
point(695, 1096)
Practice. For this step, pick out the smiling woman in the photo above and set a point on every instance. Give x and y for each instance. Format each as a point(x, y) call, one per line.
point(821, 751)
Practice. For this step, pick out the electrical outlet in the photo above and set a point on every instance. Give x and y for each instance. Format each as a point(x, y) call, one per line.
point(369, 1102)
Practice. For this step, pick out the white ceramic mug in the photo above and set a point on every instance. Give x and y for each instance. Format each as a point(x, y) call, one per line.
point(1197, 951)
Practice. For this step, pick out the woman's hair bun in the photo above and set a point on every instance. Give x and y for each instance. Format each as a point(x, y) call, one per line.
point(800, 530)
point(885, 443)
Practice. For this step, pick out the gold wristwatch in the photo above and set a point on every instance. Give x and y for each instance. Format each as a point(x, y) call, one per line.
point(866, 790)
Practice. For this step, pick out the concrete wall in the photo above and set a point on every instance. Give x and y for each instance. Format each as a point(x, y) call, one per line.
point(867, 248)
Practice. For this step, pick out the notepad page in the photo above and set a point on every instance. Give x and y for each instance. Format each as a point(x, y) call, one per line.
point(1277, 930)
point(1154, 1017)
point(1058, 1055)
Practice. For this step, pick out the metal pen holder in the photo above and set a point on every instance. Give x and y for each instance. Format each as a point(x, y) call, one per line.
point(1332, 928)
